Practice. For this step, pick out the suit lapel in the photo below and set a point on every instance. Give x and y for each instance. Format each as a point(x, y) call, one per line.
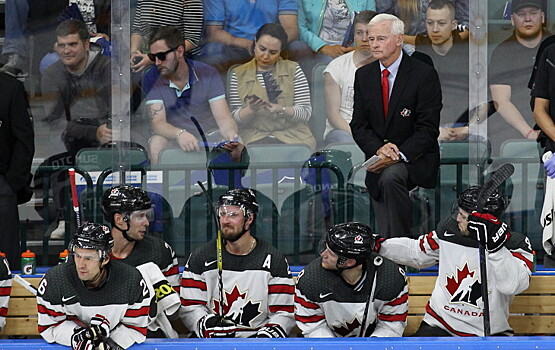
point(403, 76)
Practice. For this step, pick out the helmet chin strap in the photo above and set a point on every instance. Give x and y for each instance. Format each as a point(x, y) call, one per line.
point(124, 232)
point(342, 261)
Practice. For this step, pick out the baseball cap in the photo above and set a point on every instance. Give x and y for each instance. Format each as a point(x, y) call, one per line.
point(517, 4)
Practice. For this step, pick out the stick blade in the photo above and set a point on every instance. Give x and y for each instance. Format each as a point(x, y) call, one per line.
point(500, 176)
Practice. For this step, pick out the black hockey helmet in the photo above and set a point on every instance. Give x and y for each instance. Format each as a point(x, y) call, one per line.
point(241, 197)
point(353, 240)
point(93, 236)
point(124, 199)
point(495, 204)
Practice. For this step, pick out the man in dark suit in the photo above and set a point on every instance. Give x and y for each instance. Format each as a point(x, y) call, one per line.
point(397, 106)
point(17, 148)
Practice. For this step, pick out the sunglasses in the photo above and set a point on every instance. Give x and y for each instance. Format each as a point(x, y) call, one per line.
point(160, 55)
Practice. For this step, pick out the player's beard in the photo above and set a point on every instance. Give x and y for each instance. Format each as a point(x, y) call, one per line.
point(230, 234)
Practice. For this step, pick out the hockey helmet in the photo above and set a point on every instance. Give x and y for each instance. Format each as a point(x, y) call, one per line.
point(495, 204)
point(93, 236)
point(241, 197)
point(124, 199)
point(352, 240)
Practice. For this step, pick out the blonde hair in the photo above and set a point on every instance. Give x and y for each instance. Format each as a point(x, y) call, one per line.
point(409, 11)
point(397, 26)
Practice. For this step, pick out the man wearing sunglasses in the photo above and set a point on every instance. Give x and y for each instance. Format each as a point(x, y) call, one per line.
point(128, 209)
point(256, 283)
point(92, 302)
point(77, 88)
point(179, 89)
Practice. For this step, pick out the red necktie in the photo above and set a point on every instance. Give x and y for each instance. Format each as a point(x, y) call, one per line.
point(385, 91)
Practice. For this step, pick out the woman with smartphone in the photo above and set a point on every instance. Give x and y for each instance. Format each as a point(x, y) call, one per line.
point(269, 96)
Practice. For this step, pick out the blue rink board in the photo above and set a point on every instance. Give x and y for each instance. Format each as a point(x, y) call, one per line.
point(491, 343)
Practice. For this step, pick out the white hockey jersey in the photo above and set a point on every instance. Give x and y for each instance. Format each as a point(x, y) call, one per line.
point(456, 302)
point(258, 289)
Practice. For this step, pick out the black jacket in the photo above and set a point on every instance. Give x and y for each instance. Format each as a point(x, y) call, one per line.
point(17, 145)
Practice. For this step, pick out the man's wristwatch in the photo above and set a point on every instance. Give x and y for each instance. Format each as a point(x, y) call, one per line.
point(281, 111)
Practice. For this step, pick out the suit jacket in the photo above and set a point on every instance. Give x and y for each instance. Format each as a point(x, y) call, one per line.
point(412, 122)
point(17, 146)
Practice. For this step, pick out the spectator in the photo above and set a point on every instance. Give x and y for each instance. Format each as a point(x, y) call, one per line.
point(510, 66)
point(17, 147)
point(456, 306)
point(127, 209)
point(180, 88)
point(543, 92)
point(231, 26)
point(350, 291)
point(256, 282)
point(413, 14)
point(38, 19)
point(90, 301)
point(187, 15)
point(339, 78)
point(325, 29)
point(397, 104)
point(449, 54)
point(78, 87)
point(269, 96)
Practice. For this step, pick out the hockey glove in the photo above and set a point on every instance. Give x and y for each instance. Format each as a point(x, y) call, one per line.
point(81, 339)
point(271, 331)
point(100, 327)
point(214, 326)
point(488, 230)
point(549, 166)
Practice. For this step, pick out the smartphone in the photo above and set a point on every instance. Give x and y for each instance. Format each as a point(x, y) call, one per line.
point(254, 98)
point(137, 59)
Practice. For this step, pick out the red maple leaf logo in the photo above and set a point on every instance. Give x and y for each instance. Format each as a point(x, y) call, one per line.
point(230, 298)
point(453, 282)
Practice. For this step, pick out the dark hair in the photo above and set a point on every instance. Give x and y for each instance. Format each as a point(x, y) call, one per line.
point(364, 17)
point(170, 34)
point(440, 4)
point(73, 26)
point(274, 30)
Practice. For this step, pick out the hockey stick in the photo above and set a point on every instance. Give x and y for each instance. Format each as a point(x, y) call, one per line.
point(25, 284)
point(377, 262)
point(219, 261)
point(206, 149)
point(74, 198)
point(500, 176)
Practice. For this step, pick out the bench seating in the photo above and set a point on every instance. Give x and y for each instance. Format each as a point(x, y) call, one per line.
point(22, 311)
point(532, 312)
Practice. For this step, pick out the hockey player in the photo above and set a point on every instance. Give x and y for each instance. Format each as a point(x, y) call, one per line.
point(349, 287)
point(91, 301)
point(128, 209)
point(257, 284)
point(5, 290)
point(455, 307)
